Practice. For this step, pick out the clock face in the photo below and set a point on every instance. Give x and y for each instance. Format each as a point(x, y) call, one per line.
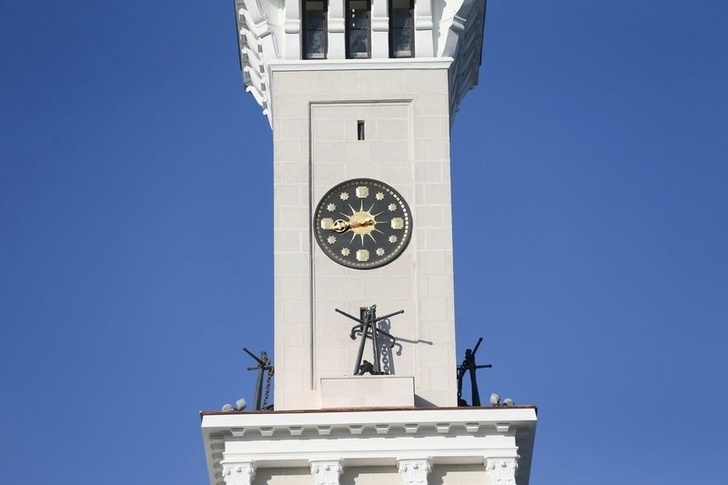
point(362, 224)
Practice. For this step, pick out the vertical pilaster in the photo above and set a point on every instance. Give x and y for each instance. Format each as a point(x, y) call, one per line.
point(424, 41)
point(380, 29)
point(337, 30)
point(292, 29)
point(501, 470)
point(414, 471)
point(326, 472)
point(238, 472)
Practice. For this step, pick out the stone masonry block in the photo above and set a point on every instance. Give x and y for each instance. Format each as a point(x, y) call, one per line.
point(291, 286)
point(434, 262)
point(295, 195)
point(290, 264)
point(431, 151)
point(433, 309)
point(431, 216)
point(436, 194)
point(440, 238)
point(431, 172)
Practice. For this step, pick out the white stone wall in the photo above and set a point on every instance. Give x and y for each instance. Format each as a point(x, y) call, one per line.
point(406, 119)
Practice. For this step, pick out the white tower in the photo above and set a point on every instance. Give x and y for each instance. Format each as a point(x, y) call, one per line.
point(360, 95)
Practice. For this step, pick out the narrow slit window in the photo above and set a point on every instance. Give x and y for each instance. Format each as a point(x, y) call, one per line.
point(360, 130)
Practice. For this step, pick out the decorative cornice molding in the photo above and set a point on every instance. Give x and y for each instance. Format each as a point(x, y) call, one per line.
point(450, 31)
point(360, 64)
point(256, 44)
point(461, 37)
point(453, 436)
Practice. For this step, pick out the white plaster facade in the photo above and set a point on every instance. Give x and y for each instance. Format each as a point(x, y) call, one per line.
point(407, 146)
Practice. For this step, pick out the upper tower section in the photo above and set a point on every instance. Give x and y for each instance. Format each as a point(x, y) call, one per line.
point(329, 34)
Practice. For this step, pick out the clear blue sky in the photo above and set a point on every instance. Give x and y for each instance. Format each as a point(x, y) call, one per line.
point(591, 234)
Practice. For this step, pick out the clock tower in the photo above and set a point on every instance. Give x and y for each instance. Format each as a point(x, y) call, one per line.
point(360, 96)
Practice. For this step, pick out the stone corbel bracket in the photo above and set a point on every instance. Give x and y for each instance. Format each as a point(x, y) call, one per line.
point(461, 38)
point(257, 45)
point(237, 472)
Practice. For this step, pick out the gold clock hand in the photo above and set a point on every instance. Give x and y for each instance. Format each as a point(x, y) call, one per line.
point(368, 222)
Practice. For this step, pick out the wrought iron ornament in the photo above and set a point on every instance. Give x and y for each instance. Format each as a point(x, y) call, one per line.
point(264, 366)
point(369, 328)
point(362, 224)
point(470, 367)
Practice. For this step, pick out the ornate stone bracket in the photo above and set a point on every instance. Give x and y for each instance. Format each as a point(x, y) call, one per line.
point(326, 472)
point(238, 472)
point(461, 38)
point(414, 471)
point(501, 471)
point(257, 43)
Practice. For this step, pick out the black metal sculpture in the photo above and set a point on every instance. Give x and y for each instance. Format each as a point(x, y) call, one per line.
point(264, 366)
point(470, 366)
point(368, 327)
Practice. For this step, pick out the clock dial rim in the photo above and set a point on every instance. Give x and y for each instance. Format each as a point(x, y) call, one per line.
point(320, 235)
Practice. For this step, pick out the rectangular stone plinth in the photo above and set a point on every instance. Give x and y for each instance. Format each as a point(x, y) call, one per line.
point(367, 392)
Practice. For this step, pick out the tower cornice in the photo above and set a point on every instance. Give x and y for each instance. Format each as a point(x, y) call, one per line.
point(269, 33)
point(443, 436)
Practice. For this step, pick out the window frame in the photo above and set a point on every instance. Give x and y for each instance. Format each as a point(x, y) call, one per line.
point(306, 54)
point(392, 30)
point(348, 30)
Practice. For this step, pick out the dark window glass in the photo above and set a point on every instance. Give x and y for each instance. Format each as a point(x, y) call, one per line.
point(401, 28)
point(314, 29)
point(357, 29)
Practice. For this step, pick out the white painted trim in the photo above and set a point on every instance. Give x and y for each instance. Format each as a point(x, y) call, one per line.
point(381, 438)
point(425, 416)
point(360, 64)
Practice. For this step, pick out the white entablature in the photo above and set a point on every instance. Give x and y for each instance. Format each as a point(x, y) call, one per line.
point(270, 33)
point(484, 445)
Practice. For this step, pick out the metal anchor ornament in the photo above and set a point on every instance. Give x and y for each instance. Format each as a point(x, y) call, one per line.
point(368, 327)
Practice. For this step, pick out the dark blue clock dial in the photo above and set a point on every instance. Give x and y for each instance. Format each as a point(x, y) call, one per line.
point(362, 224)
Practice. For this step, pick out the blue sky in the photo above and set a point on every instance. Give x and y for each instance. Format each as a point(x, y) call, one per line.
point(590, 210)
